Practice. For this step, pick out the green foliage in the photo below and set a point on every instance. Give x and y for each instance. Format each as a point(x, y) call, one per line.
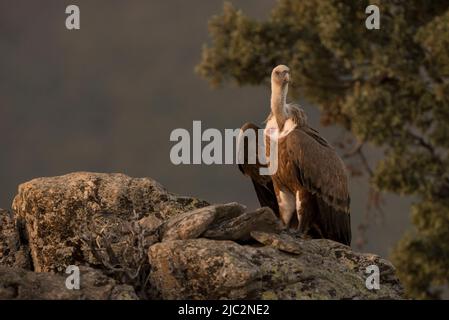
point(389, 87)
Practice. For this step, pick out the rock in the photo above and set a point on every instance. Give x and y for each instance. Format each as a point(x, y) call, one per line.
point(130, 235)
point(96, 285)
point(228, 211)
point(95, 219)
point(220, 222)
point(191, 225)
point(150, 223)
point(13, 252)
point(150, 230)
point(210, 269)
point(240, 227)
point(16, 283)
point(283, 242)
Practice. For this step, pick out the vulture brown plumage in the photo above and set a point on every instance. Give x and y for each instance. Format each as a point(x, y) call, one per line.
point(309, 191)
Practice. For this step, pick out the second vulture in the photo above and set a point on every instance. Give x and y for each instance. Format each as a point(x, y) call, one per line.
point(309, 191)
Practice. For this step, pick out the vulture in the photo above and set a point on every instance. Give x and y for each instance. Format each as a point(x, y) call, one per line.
point(309, 190)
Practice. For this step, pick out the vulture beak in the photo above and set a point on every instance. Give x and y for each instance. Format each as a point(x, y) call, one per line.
point(287, 77)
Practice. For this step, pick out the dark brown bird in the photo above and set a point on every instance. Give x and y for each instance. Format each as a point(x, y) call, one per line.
point(309, 190)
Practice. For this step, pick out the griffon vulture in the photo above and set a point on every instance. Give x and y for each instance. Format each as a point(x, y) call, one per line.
point(309, 190)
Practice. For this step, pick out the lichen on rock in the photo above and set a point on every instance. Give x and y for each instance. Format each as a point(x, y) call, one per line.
point(21, 284)
point(93, 219)
point(210, 269)
point(13, 252)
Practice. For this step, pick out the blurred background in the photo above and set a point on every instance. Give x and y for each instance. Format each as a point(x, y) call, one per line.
point(106, 98)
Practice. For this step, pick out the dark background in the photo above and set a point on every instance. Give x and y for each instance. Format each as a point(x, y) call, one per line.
point(106, 98)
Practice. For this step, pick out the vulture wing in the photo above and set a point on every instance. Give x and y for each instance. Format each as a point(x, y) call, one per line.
point(320, 171)
point(262, 184)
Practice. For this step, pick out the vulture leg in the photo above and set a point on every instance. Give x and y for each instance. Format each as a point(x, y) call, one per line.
point(263, 185)
point(287, 206)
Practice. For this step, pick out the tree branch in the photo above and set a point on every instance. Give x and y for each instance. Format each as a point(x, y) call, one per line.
point(357, 150)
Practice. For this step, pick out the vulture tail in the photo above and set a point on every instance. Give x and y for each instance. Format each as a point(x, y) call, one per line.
point(327, 222)
point(266, 196)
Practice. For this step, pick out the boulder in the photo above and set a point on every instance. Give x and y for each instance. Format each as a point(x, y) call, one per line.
point(13, 251)
point(95, 219)
point(211, 269)
point(239, 228)
point(220, 222)
point(16, 283)
point(192, 224)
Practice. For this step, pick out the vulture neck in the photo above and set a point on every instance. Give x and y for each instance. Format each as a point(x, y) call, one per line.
point(279, 103)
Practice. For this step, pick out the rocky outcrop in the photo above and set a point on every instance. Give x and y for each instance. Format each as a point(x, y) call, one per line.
point(22, 285)
point(323, 269)
point(132, 233)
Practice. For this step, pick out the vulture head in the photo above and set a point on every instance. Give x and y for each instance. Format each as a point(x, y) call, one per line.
point(280, 75)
